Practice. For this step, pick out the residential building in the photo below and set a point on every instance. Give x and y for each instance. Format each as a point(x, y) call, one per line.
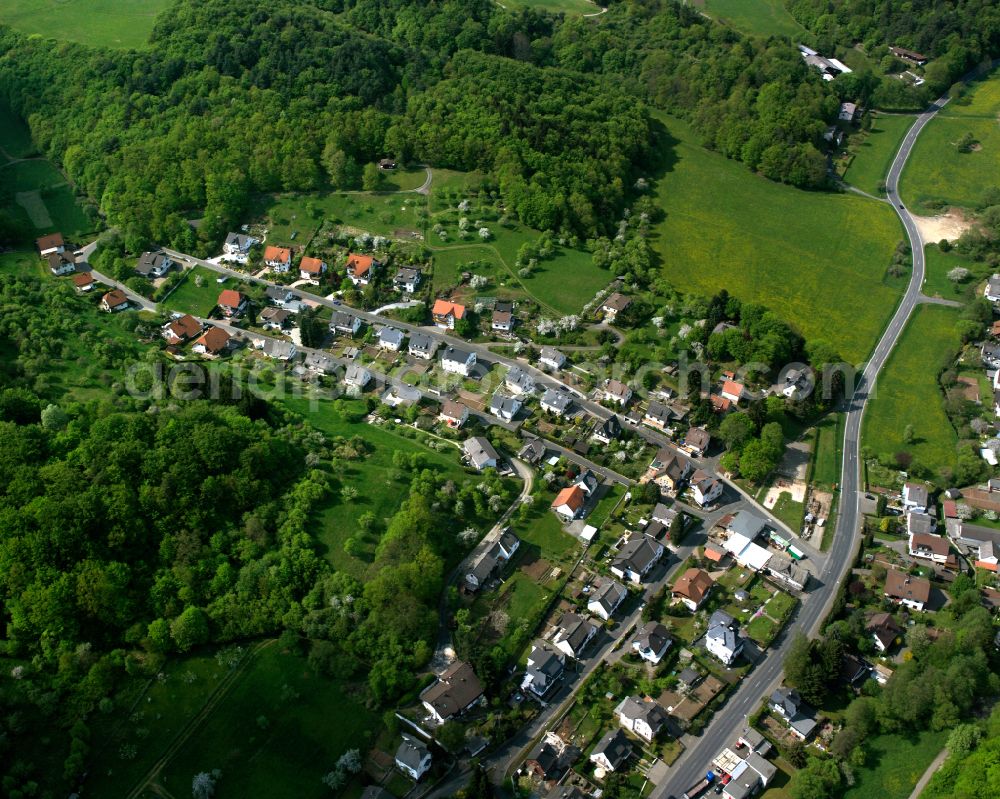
point(480, 453)
point(502, 321)
point(787, 704)
point(344, 323)
point(917, 522)
point(604, 601)
point(636, 558)
point(697, 441)
point(664, 515)
point(733, 391)
point(481, 571)
point(658, 415)
point(545, 666)
point(670, 469)
point(705, 488)
point(361, 268)
point(692, 588)
point(506, 545)
point(787, 571)
point(401, 395)
point(238, 244)
point(569, 503)
point(311, 268)
point(83, 281)
point(422, 346)
point(929, 547)
point(915, 497)
point(556, 401)
point(456, 691)
point(573, 635)
point(533, 451)
point(588, 481)
point(183, 328)
point(849, 112)
point(357, 376)
point(407, 279)
point(722, 638)
point(905, 589)
point(551, 357)
point(213, 342)
point(544, 762)
point(61, 263)
point(505, 408)
point(154, 264)
point(49, 244)
point(278, 349)
point(641, 716)
point(614, 305)
point(608, 430)
point(446, 313)
point(453, 413)
point(114, 300)
point(232, 302)
point(280, 295)
point(413, 758)
point(612, 751)
point(910, 56)
point(746, 524)
point(457, 361)
point(881, 673)
point(391, 338)
point(617, 392)
point(279, 259)
point(652, 642)
point(518, 381)
point(276, 319)
point(884, 630)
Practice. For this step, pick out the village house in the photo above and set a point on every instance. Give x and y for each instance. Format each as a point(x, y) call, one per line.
point(849, 112)
point(445, 313)
point(357, 376)
point(929, 547)
point(280, 295)
point(915, 497)
point(345, 324)
point(617, 392)
point(746, 524)
point(551, 358)
point(456, 691)
point(612, 751)
point(697, 441)
point(480, 454)
point(652, 642)
point(454, 414)
point(990, 353)
point(556, 401)
point(361, 268)
point(505, 408)
point(705, 488)
point(533, 451)
point(83, 282)
point(544, 762)
point(276, 348)
point(213, 342)
point(692, 588)
point(518, 381)
point(614, 305)
point(785, 570)
point(641, 716)
point(604, 601)
point(183, 328)
point(910, 56)
point(502, 321)
point(457, 361)
point(884, 630)
point(278, 259)
point(722, 638)
point(569, 503)
point(788, 705)
point(573, 635)
point(154, 264)
point(391, 339)
point(413, 758)
point(992, 290)
point(481, 571)
point(114, 300)
point(422, 346)
point(277, 319)
point(52, 243)
point(669, 470)
point(733, 391)
point(658, 416)
point(545, 667)
point(636, 558)
point(905, 589)
point(608, 430)
point(232, 302)
point(407, 279)
point(238, 244)
point(311, 268)
point(61, 263)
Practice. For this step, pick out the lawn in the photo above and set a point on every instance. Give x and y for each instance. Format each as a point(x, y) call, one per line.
point(828, 451)
point(755, 17)
point(403, 178)
point(818, 260)
point(22, 264)
point(894, 763)
point(939, 264)
point(197, 300)
point(874, 150)
point(789, 511)
point(603, 511)
point(559, 6)
point(276, 733)
point(762, 630)
point(907, 393)
point(382, 487)
point(44, 198)
point(937, 169)
point(544, 530)
point(107, 23)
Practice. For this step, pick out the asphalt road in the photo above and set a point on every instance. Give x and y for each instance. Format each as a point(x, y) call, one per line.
point(697, 759)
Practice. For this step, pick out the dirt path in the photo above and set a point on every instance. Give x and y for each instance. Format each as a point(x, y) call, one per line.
point(926, 776)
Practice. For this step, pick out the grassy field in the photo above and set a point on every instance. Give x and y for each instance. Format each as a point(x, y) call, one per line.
point(874, 151)
point(789, 511)
point(937, 170)
point(105, 23)
point(894, 763)
point(382, 487)
point(818, 260)
point(543, 530)
point(197, 300)
point(828, 451)
point(907, 393)
point(568, 7)
point(939, 264)
point(403, 178)
point(755, 17)
point(275, 734)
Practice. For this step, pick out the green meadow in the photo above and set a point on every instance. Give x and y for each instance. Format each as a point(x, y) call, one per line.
point(939, 264)
point(874, 150)
point(101, 23)
point(568, 7)
point(755, 17)
point(907, 393)
point(819, 260)
point(938, 172)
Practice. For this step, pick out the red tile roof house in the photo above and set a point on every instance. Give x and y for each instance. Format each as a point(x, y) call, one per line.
point(278, 258)
point(692, 588)
point(231, 302)
point(569, 502)
point(445, 313)
point(50, 244)
point(83, 281)
point(181, 329)
point(360, 268)
point(733, 391)
point(311, 268)
point(114, 300)
point(213, 341)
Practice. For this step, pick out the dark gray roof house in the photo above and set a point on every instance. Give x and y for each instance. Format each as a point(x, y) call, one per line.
point(456, 690)
point(608, 430)
point(422, 345)
point(612, 751)
point(533, 451)
point(153, 264)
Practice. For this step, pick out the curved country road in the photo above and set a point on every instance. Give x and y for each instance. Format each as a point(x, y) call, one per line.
point(696, 760)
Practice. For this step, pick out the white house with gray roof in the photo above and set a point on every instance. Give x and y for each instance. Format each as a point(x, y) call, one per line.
point(604, 601)
point(723, 637)
point(518, 381)
point(422, 346)
point(413, 758)
point(480, 453)
point(391, 338)
point(556, 401)
point(458, 361)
